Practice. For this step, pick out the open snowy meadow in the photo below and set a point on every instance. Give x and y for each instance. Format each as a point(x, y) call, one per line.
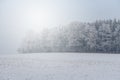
point(60, 66)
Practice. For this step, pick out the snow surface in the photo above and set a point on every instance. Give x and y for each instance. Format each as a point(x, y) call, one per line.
point(60, 66)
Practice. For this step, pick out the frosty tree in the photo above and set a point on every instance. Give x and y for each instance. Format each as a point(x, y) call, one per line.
point(98, 36)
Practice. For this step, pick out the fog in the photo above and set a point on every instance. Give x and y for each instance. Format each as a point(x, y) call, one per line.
point(19, 17)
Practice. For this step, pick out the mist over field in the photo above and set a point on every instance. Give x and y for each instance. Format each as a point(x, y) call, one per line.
point(59, 40)
point(18, 17)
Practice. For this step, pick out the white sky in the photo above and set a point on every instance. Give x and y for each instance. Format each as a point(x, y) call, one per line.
point(17, 17)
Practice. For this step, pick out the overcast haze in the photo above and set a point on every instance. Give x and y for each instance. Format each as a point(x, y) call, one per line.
point(17, 17)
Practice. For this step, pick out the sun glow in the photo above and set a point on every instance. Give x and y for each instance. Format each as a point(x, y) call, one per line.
point(40, 18)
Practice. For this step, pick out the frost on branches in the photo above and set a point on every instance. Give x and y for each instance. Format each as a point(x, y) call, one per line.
point(100, 36)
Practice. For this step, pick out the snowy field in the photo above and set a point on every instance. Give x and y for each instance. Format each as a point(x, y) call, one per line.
point(57, 66)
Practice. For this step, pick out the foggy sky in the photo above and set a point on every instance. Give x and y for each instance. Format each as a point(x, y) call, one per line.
point(16, 18)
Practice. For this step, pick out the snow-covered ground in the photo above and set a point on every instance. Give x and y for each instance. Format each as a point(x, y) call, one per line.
point(60, 66)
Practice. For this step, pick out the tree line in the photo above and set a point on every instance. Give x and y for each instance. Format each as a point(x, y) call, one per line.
point(99, 36)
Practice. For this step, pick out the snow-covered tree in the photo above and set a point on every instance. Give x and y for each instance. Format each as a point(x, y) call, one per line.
point(99, 36)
